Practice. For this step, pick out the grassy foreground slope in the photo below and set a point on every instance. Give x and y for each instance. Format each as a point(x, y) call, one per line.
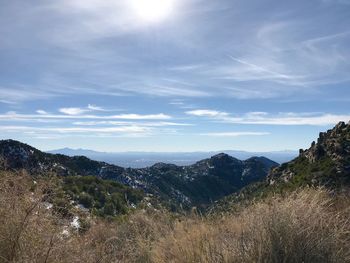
point(309, 225)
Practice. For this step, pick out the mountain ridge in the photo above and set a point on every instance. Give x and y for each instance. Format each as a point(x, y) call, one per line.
point(143, 159)
point(325, 164)
point(198, 184)
point(327, 161)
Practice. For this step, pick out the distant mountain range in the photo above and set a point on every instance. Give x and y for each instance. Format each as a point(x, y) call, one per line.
point(146, 159)
point(195, 185)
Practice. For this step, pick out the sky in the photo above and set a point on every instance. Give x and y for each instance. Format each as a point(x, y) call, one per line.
point(173, 75)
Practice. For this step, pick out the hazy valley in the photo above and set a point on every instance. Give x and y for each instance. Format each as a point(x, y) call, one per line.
point(145, 159)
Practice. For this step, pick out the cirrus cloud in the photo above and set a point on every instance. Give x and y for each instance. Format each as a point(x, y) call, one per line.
point(263, 118)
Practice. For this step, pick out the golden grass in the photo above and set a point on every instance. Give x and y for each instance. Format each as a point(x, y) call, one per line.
point(309, 225)
point(303, 227)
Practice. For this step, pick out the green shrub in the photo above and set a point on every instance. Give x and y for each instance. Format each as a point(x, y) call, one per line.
point(105, 198)
point(86, 200)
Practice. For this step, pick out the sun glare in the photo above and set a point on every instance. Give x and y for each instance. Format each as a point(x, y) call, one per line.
point(153, 10)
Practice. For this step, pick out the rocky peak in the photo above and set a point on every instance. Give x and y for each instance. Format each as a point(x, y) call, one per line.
point(223, 158)
point(327, 161)
point(334, 143)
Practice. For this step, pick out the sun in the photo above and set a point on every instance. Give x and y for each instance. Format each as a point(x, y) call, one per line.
point(153, 10)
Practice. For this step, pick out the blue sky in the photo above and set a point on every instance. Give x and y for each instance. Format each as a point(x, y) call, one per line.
point(173, 75)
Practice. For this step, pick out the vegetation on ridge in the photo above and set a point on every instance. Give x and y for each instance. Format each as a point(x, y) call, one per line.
point(103, 197)
point(325, 164)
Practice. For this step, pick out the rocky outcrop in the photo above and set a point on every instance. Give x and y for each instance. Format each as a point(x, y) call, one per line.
point(333, 143)
point(326, 161)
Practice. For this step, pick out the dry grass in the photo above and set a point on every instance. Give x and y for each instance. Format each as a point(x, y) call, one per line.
point(304, 227)
point(129, 241)
point(307, 226)
point(27, 231)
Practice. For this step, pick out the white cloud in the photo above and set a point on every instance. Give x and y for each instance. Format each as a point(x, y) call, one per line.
point(19, 93)
point(284, 55)
point(72, 111)
point(78, 111)
point(124, 129)
point(74, 114)
point(159, 116)
point(95, 108)
point(116, 123)
point(208, 113)
point(320, 120)
point(263, 118)
point(74, 123)
point(92, 131)
point(169, 91)
point(234, 134)
point(41, 112)
point(187, 67)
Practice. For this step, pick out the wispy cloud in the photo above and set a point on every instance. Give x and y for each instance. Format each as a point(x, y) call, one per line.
point(19, 93)
point(146, 124)
point(73, 111)
point(126, 129)
point(208, 113)
point(277, 58)
point(263, 118)
point(79, 111)
point(75, 122)
point(74, 114)
point(95, 108)
point(182, 104)
point(71, 126)
point(62, 132)
point(58, 56)
point(160, 116)
point(41, 112)
point(234, 134)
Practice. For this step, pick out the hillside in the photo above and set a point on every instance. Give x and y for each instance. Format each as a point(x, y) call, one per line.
point(325, 164)
point(195, 185)
point(309, 225)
